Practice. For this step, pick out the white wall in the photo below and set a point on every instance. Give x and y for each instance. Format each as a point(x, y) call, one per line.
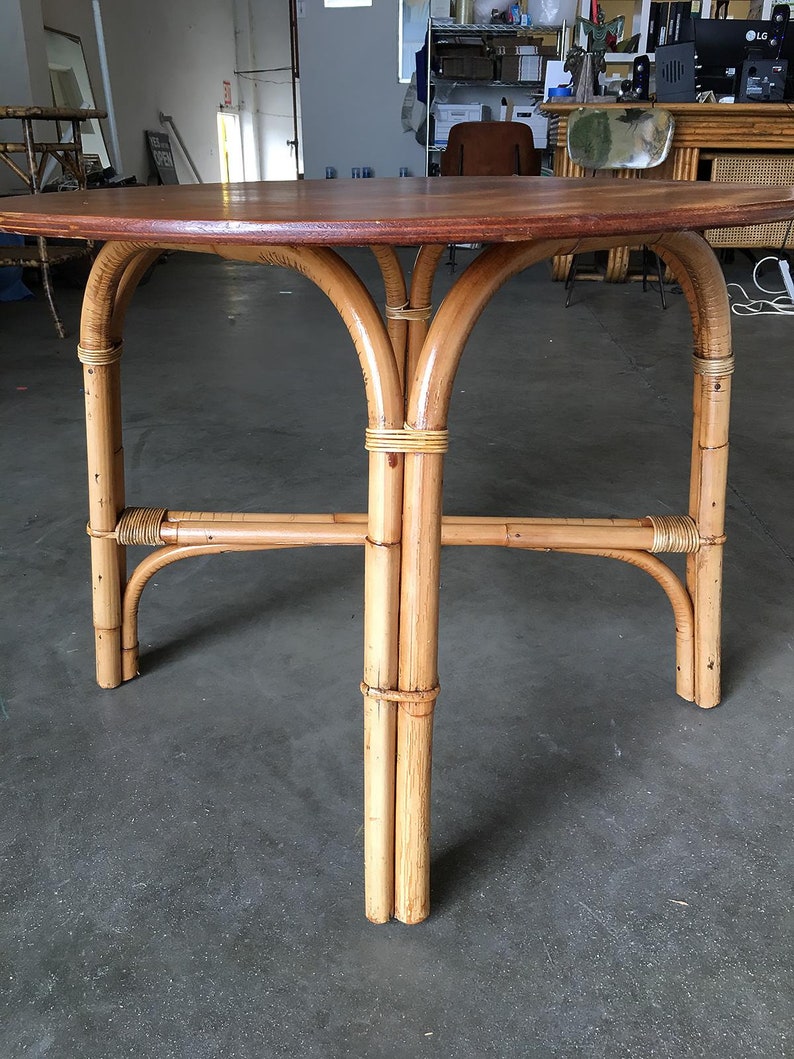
point(263, 45)
point(350, 96)
point(163, 56)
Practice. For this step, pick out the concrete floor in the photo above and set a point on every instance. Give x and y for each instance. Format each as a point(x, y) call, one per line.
point(181, 858)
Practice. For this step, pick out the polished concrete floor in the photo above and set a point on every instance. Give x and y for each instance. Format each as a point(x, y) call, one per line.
point(180, 859)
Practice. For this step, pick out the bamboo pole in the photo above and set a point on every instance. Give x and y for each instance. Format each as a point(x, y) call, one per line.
point(427, 410)
point(396, 299)
point(385, 404)
point(424, 273)
point(545, 534)
point(701, 279)
point(418, 675)
point(100, 351)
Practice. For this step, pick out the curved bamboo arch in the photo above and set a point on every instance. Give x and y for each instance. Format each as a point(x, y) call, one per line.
point(700, 277)
point(396, 298)
point(117, 270)
point(424, 274)
point(683, 611)
point(687, 253)
point(355, 306)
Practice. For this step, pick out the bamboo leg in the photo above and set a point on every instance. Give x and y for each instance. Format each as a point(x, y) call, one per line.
point(708, 510)
point(694, 486)
point(419, 675)
point(105, 503)
point(385, 406)
point(701, 279)
point(381, 607)
point(100, 352)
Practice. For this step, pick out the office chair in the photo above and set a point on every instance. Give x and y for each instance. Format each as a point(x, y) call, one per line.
point(619, 138)
point(489, 148)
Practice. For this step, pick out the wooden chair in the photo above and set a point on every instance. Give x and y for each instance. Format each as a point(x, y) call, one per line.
point(619, 138)
point(490, 148)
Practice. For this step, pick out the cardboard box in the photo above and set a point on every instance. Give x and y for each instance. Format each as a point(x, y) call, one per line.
point(520, 68)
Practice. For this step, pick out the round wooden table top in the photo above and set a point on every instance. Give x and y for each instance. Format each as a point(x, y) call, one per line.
point(396, 211)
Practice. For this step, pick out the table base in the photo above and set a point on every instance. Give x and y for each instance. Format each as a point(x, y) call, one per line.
point(408, 365)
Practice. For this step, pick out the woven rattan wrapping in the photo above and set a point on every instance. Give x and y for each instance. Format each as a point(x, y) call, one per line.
point(391, 695)
point(98, 357)
point(674, 533)
point(713, 366)
point(753, 169)
point(406, 440)
point(403, 312)
point(140, 525)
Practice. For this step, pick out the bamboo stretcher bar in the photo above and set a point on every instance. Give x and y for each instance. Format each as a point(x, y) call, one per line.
point(652, 534)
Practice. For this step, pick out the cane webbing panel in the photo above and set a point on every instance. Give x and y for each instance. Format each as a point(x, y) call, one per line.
point(753, 169)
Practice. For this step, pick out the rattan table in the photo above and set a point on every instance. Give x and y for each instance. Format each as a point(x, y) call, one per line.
point(408, 362)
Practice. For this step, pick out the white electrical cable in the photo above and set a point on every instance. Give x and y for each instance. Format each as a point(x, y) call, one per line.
point(781, 304)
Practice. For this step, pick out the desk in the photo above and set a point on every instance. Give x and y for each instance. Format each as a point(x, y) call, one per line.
point(700, 128)
point(408, 365)
point(68, 153)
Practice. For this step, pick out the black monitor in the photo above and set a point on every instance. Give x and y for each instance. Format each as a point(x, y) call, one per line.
point(721, 46)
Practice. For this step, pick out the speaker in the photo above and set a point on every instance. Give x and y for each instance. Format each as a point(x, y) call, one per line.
point(762, 81)
point(779, 24)
point(675, 73)
point(641, 76)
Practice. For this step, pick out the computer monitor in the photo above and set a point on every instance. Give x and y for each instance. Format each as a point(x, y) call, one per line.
point(721, 46)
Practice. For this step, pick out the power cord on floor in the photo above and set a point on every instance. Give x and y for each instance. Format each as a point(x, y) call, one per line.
point(782, 302)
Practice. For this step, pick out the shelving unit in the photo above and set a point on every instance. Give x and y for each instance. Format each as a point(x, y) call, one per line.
point(485, 89)
point(66, 150)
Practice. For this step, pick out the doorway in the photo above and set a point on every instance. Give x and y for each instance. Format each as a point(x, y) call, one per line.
point(230, 147)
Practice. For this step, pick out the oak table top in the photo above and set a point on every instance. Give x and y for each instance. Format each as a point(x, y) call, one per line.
point(393, 211)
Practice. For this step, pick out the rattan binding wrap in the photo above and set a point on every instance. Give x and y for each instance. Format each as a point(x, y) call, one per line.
point(713, 366)
point(140, 525)
point(404, 312)
point(99, 357)
point(674, 533)
point(406, 440)
point(392, 695)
